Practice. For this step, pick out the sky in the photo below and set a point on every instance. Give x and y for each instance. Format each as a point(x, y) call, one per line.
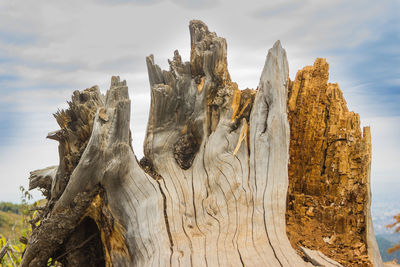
point(48, 49)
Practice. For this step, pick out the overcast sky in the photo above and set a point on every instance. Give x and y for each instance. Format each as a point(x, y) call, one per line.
point(48, 49)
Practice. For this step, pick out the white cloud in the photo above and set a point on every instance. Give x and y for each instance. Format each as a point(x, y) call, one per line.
point(18, 161)
point(76, 44)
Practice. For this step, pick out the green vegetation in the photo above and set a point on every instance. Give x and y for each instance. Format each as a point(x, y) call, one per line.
point(14, 223)
point(11, 225)
point(11, 207)
point(11, 228)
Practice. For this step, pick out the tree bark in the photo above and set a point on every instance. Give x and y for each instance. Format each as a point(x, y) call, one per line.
point(211, 189)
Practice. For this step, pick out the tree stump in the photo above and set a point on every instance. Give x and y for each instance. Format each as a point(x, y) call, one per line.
point(211, 189)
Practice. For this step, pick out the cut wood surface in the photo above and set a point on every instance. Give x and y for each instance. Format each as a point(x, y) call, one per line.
point(211, 189)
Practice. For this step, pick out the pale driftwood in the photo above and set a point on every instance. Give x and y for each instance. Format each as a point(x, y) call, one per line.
point(4, 250)
point(211, 190)
point(319, 259)
point(11, 259)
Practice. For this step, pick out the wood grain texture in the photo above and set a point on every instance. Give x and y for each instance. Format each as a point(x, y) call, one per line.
point(227, 209)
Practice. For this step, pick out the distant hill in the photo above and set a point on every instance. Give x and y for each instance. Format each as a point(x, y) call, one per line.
point(11, 216)
point(385, 242)
point(10, 221)
point(11, 207)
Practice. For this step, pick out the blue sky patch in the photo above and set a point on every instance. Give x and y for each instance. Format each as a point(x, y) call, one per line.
point(16, 38)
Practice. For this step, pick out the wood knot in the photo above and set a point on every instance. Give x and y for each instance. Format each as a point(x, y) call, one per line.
point(185, 150)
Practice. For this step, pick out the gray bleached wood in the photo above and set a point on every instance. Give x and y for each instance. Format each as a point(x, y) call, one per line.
point(227, 209)
point(269, 152)
point(43, 179)
point(134, 200)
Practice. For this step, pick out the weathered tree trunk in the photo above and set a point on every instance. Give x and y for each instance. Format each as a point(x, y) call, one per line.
point(211, 189)
point(329, 190)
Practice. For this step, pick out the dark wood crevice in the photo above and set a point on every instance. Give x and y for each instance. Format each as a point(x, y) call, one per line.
point(83, 246)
